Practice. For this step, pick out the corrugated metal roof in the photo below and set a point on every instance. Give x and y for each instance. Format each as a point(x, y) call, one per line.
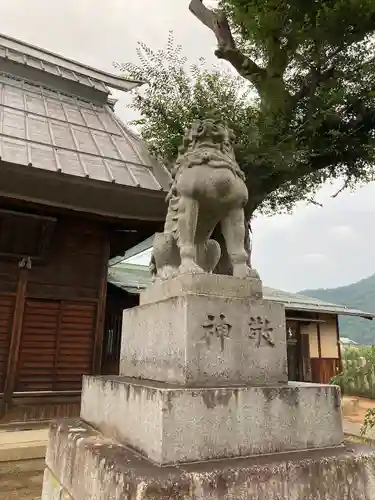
point(134, 278)
point(137, 250)
point(46, 129)
point(130, 277)
point(347, 341)
point(299, 302)
point(34, 57)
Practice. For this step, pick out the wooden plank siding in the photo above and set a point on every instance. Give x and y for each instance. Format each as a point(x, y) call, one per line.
point(38, 343)
point(323, 369)
point(73, 267)
point(9, 274)
point(74, 356)
point(56, 345)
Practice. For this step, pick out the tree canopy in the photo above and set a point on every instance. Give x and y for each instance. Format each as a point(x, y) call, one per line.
point(301, 98)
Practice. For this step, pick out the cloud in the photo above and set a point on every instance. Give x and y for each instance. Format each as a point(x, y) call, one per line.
point(314, 258)
point(342, 231)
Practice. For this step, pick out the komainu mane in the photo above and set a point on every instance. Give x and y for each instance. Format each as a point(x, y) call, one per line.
point(207, 189)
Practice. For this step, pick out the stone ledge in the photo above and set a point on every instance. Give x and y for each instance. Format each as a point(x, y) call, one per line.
point(215, 285)
point(87, 466)
point(171, 424)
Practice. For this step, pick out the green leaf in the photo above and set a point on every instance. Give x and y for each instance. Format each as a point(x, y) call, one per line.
point(309, 121)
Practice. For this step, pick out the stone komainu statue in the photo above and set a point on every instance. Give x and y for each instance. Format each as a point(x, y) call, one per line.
point(207, 189)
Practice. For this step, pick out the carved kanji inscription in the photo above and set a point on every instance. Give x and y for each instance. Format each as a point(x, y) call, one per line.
point(261, 331)
point(216, 326)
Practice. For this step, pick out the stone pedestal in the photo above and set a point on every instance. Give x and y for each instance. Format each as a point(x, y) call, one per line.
point(202, 409)
point(84, 465)
point(170, 424)
point(192, 334)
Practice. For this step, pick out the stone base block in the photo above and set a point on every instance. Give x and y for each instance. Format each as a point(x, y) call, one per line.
point(171, 424)
point(205, 339)
point(215, 285)
point(82, 465)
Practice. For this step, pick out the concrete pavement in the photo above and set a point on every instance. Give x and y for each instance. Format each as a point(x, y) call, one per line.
point(354, 429)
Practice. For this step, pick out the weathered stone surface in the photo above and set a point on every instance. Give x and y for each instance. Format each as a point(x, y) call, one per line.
point(215, 285)
point(89, 466)
point(170, 424)
point(208, 188)
point(52, 488)
point(203, 340)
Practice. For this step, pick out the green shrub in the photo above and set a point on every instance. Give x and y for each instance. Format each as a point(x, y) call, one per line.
point(358, 374)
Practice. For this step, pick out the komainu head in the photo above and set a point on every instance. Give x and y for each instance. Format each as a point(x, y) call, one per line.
point(208, 141)
point(209, 133)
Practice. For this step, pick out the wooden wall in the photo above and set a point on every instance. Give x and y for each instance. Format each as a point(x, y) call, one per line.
point(314, 356)
point(52, 315)
point(6, 321)
point(325, 359)
point(323, 369)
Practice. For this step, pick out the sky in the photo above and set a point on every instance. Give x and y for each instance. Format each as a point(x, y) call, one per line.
point(315, 247)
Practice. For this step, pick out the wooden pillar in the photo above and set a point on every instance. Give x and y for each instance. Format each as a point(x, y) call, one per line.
point(338, 343)
point(15, 341)
point(100, 314)
point(318, 336)
point(320, 381)
point(299, 351)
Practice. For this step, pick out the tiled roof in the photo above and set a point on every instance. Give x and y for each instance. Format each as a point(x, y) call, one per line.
point(49, 130)
point(134, 278)
point(30, 56)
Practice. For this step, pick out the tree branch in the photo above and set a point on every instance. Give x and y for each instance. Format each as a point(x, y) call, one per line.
point(315, 76)
point(343, 187)
point(314, 202)
point(278, 56)
point(218, 23)
point(312, 81)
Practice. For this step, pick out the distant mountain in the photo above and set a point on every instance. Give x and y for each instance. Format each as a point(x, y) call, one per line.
point(360, 295)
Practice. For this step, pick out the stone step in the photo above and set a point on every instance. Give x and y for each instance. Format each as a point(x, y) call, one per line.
point(82, 464)
point(174, 424)
point(23, 445)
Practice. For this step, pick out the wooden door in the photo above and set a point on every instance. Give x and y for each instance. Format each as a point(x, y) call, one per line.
point(112, 341)
point(56, 346)
point(75, 347)
point(306, 373)
point(293, 348)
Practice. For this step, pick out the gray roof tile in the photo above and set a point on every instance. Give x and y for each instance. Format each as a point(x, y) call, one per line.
point(43, 60)
point(46, 129)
